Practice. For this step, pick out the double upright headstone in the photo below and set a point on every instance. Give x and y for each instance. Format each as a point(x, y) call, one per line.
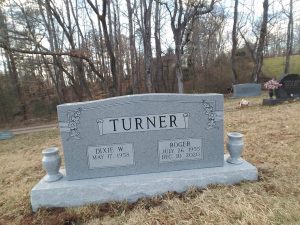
point(141, 134)
point(290, 87)
point(134, 146)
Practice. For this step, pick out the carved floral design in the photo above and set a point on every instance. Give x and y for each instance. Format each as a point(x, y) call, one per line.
point(211, 115)
point(73, 123)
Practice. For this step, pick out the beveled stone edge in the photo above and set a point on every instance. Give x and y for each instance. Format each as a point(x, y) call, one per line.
point(64, 193)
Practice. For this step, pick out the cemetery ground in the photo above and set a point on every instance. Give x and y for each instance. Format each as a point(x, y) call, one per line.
point(272, 144)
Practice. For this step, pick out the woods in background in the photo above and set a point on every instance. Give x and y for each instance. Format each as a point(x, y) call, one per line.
point(53, 52)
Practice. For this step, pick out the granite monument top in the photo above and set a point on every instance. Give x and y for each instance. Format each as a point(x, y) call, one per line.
point(141, 134)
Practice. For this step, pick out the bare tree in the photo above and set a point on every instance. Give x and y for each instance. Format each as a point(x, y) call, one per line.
point(146, 10)
point(234, 43)
point(133, 75)
point(259, 57)
point(119, 46)
point(297, 39)
point(181, 14)
point(211, 41)
point(206, 44)
point(11, 63)
point(108, 41)
point(68, 31)
point(159, 67)
point(289, 35)
point(57, 77)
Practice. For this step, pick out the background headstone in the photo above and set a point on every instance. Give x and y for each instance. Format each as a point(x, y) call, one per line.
point(290, 87)
point(6, 134)
point(246, 90)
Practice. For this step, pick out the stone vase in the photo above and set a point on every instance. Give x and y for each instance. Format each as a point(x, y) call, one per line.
point(235, 146)
point(271, 93)
point(51, 163)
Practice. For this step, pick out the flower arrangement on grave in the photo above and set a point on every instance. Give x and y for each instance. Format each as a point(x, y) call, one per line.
point(271, 85)
point(244, 103)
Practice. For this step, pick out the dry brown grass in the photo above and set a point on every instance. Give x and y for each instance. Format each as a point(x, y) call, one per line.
point(272, 143)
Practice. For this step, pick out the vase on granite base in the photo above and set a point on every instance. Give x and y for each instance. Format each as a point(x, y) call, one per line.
point(271, 93)
point(235, 146)
point(51, 163)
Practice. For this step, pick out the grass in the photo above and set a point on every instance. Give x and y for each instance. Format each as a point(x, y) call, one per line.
point(272, 144)
point(275, 66)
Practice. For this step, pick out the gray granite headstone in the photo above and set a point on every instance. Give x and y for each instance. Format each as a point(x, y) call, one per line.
point(139, 146)
point(290, 87)
point(245, 90)
point(6, 134)
point(141, 134)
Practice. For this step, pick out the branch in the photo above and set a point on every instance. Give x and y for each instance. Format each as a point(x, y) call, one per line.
point(167, 7)
point(26, 51)
point(207, 9)
point(248, 44)
point(80, 56)
point(95, 9)
point(61, 23)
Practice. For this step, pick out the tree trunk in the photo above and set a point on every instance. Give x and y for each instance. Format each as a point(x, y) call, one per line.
point(290, 39)
point(159, 67)
point(234, 43)
point(112, 59)
point(147, 44)
point(118, 47)
point(133, 74)
point(178, 68)
point(261, 43)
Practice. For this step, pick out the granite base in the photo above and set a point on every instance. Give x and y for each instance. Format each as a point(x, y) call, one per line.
point(64, 193)
point(273, 101)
